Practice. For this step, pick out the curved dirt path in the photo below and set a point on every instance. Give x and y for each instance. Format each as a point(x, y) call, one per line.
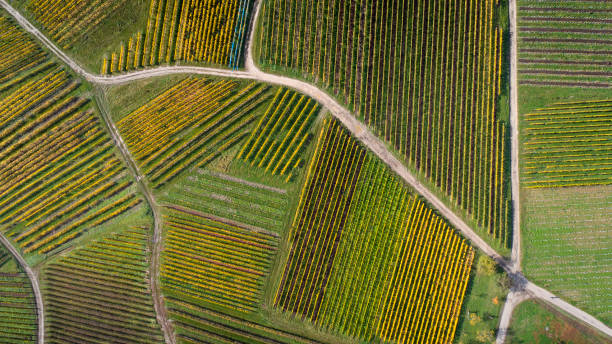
point(154, 268)
point(40, 317)
point(358, 129)
point(514, 299)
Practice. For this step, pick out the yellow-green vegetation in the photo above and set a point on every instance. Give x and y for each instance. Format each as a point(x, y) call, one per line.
point(60, 173)
point(536, 323)
point(100, 292)
point(18, 323)
point(566, 244)
point(190, 125)
point(568, 144)
point(425, 75)
point(379, 283)
point(211, 32)
point(86, 29)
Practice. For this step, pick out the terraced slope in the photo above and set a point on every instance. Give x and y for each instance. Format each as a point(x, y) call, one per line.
point(100, 293)
point(17, 304)
point(425, 75)
point(367, 258)
point(211, 32)
point(190, 124)
point(61, 176)
point(565, 43)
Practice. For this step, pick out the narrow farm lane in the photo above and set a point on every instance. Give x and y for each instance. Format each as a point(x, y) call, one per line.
point(40, 313)
point(154, 268)
point(357, 128)
point(514, 297)
point(514, 134)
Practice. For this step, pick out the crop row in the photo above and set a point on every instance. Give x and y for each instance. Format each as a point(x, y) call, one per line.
point(59, 171)
point(69, 21)
point(402, 280)
point(230, 199)
point(17, 307)
point(189, 125)
point(100, 293)
point(568, 145)
point(424, 75)
point(565, 44)
point(281, 134)
point(198, 322)
point(19, 52)
point(221, 264)
point(209, 31)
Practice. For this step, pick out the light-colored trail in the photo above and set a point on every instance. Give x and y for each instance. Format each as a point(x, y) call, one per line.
point(514, 297)
point(358, 129)
point(40, 313)
point(156, 245)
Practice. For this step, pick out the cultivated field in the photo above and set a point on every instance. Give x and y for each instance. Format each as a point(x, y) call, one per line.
point(100, 292)
point(425, 75)
point(365, 284)
point(566, 240)
point(61, 176)
point(568, 144)
point(17, 308)
point(217, 194)
point(210, 32)
point(190, 124)
point(565, 43)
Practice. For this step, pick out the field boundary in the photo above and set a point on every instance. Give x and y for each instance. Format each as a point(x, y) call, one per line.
point(357, 128)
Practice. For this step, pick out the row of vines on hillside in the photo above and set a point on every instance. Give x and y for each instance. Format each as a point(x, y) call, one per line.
point(401, 280)
point(61, 176)
point(425, 75)
point(17, 305)
point(100, 292)
point(190, 124)
point(208, 31)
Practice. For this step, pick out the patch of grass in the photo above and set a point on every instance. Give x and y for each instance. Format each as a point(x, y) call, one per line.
point(536, 323)
point(484, 299)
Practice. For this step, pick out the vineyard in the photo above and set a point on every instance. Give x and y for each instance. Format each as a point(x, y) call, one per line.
point(402, 280)
point(208, 264)
point(190, 124)
point(211, 32)
point(58, 166)
point(17, 307)
point(567, 239)
point(224, 196)
point(281, 134)
point(568, 144)
point(424, 75)
point(100, 293)
point(67, 22)
point(565, 43)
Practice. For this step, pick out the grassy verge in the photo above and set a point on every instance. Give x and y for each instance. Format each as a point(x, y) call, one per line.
point(484, 299)
point(537, 323)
